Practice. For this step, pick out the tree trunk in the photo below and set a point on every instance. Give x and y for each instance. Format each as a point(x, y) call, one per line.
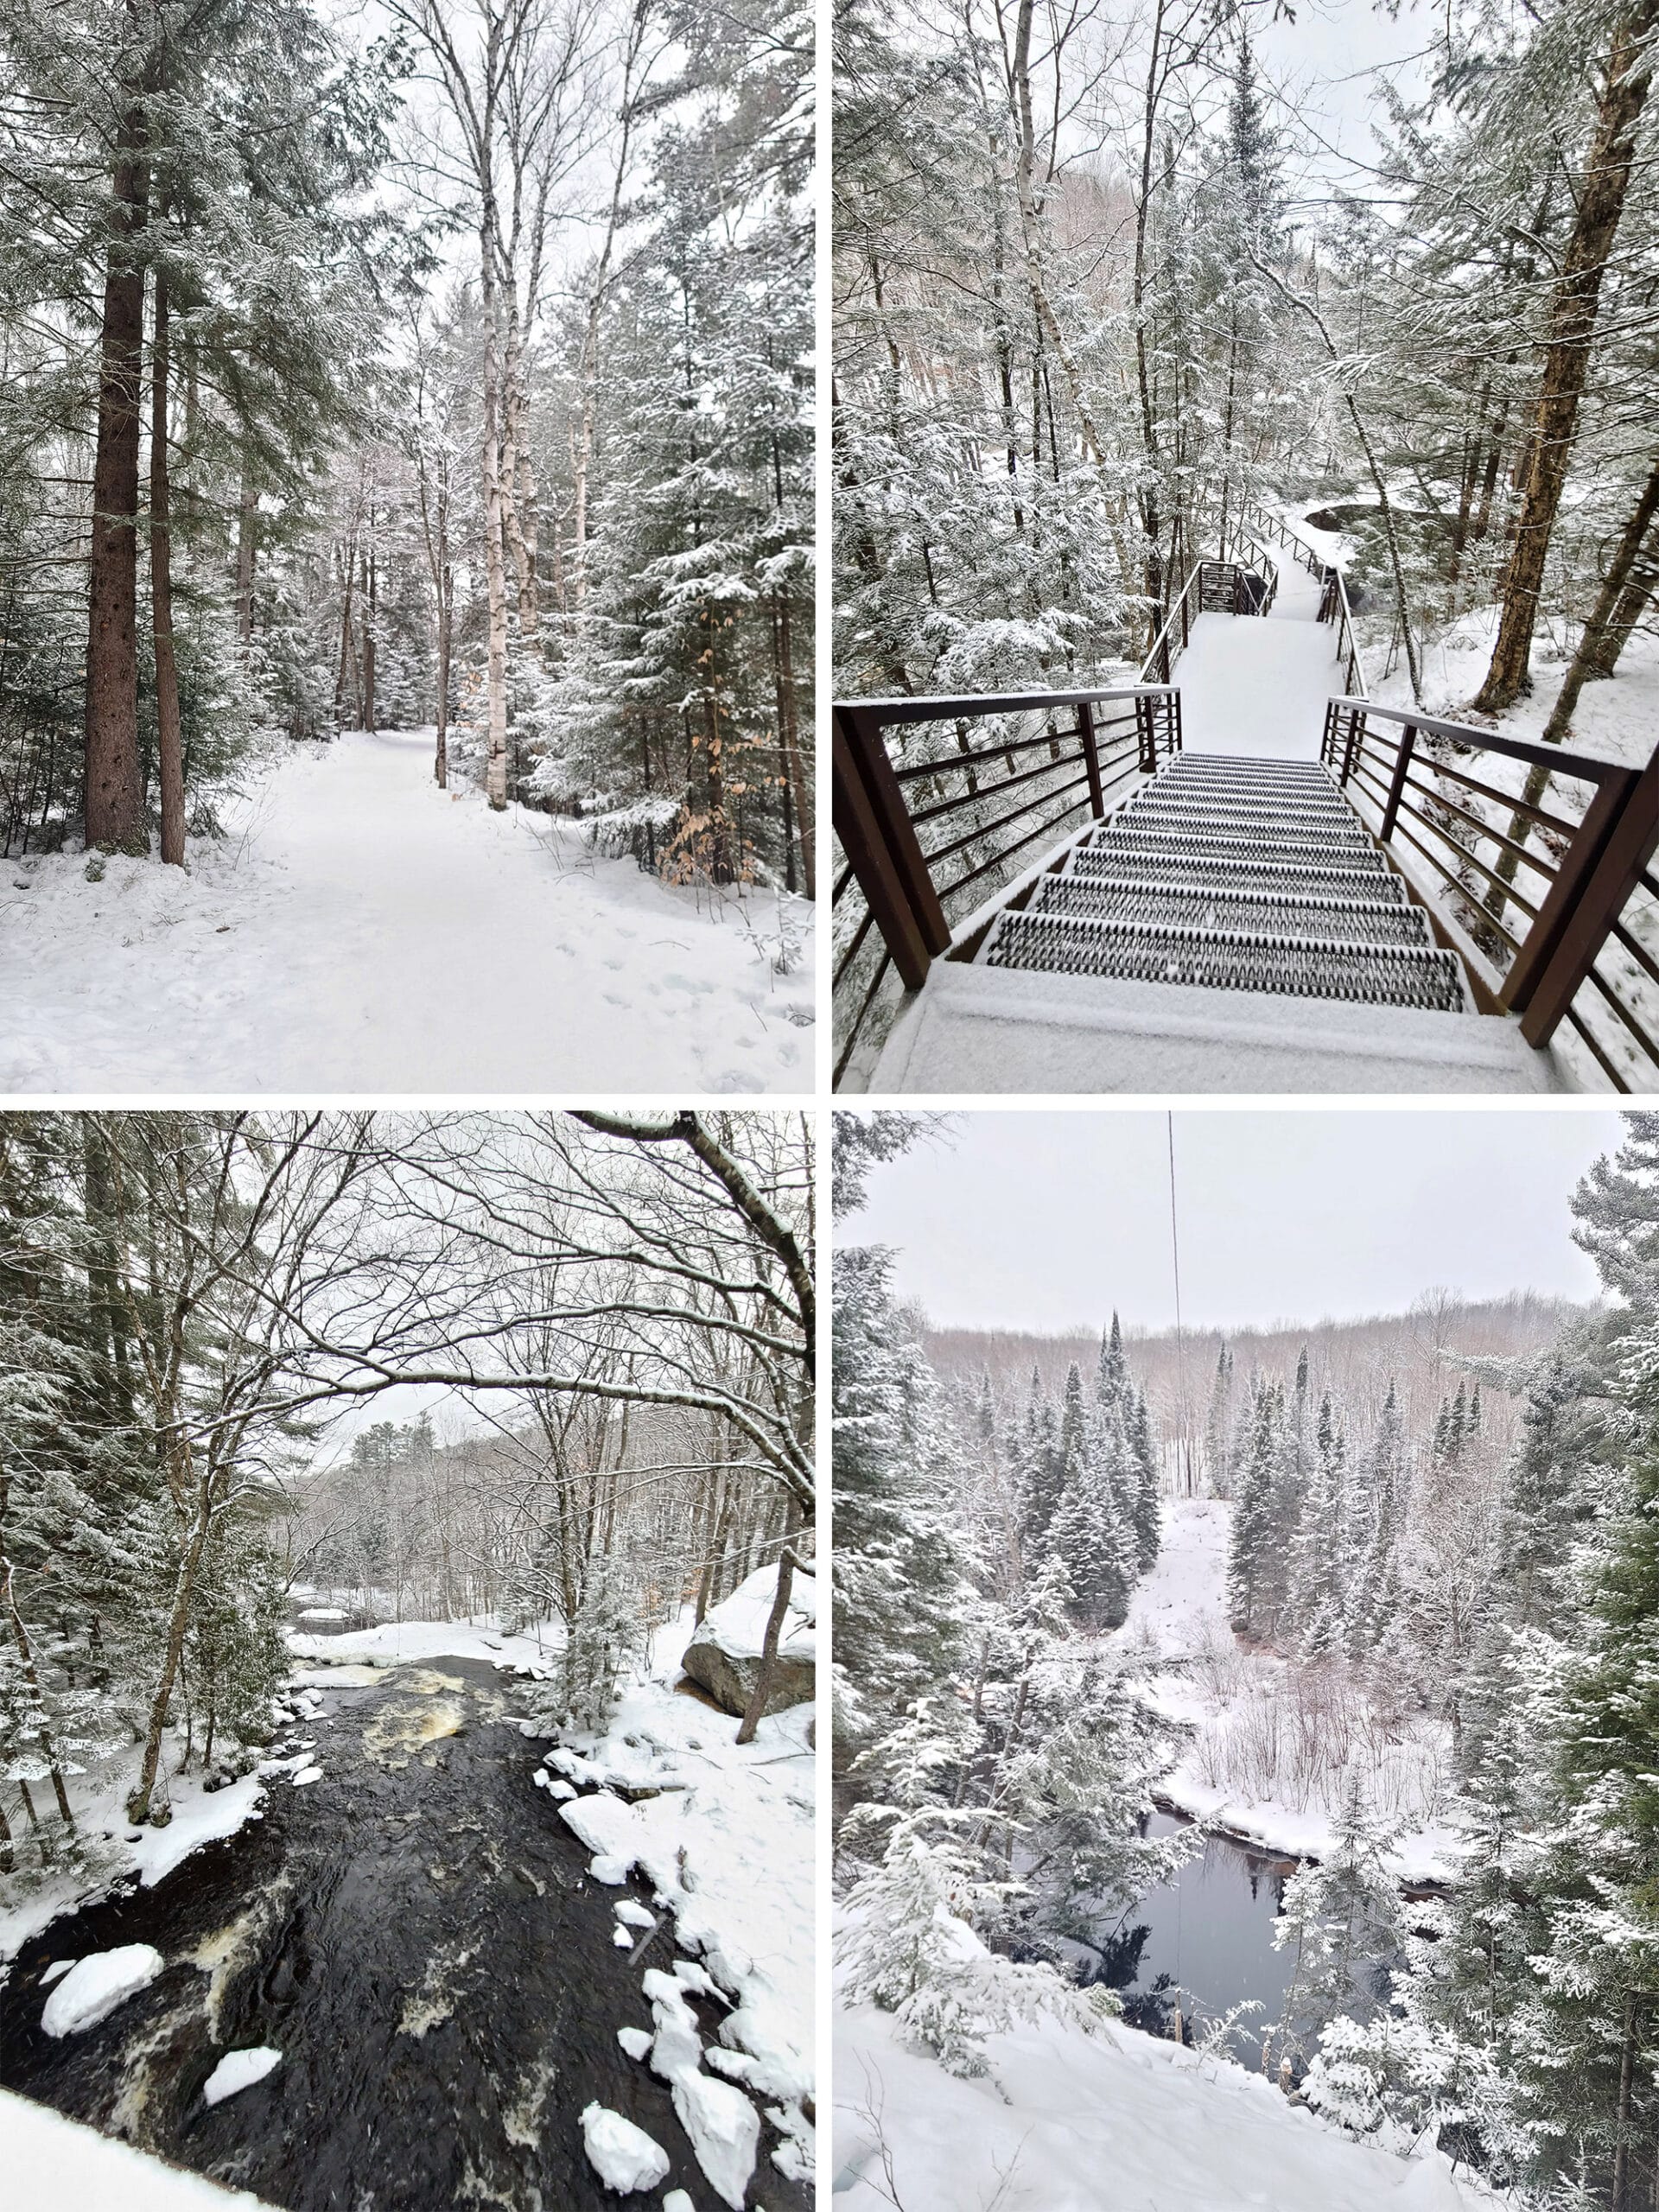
point(114, 774)
point(1566, 358)
point(495, 773)
point(184, 1592)
point(372, 567)
point(1599, 646)
point(168, 741)
point(247, 515)
point(800, 783)
point(752, 1716)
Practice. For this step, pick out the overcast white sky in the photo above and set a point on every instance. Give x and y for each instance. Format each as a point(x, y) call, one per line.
point(1046, 1221)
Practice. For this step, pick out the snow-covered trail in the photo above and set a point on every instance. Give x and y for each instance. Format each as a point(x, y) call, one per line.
point(360, 929)
point(1258, 687)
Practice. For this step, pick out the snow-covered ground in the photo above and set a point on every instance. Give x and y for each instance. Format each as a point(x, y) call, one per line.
point(1066, 2121)
point(49, 2164)
point(727, 1843)
point(1178, 1620)
point(1259, 687)
point(359, 930)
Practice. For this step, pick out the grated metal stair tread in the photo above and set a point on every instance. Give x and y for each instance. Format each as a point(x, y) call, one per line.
point(1362, 879)
point(1330, 920)
point(1238, 875)
point(1373, 975)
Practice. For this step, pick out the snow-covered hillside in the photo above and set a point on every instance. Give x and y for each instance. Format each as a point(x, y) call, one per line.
point(359, 930)
point(1066, 2121)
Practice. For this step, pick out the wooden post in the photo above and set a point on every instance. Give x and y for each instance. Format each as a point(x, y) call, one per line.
point(1092, 760)
point(1355, 732)
point(1543, 939)
point(881, 842)
point(1402, 762)
point(1628, 847)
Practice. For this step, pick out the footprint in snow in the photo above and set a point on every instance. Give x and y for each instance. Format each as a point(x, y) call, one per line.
point(616, 998)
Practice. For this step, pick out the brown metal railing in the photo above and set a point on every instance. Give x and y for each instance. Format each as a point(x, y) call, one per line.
point(939, 803)
point(1551, 900)
point(1212, 587)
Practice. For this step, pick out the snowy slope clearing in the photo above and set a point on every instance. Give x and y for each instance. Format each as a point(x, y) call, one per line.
point(726, 1842)
point(1227, 1694)
point(359, 930)
point(1070, 2122)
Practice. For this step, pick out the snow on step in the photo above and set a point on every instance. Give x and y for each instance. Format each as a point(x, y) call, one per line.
point(1255, 687)
point(1318, 915)
point(94, 1986)
point(975, 1028)
point(238, 2070)
point(623, 2157)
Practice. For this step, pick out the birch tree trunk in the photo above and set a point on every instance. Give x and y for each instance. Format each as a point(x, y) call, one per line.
point(169, 748)
point(495, 566)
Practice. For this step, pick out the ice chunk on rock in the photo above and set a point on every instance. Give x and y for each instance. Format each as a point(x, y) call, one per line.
point(238, 2070)
point(621, 1938)
point(636, 1915)
point(635, 2041)
point(623, 2157)
point(94, 1987)
point(308, 1773)
point(678, 2201)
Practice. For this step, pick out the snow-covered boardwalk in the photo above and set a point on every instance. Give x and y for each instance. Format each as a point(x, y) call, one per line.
point(360, 929)
point(1258, 688)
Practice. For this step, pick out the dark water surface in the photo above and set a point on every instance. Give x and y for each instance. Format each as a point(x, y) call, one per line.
point(418, 1934)
point(1204, 1939)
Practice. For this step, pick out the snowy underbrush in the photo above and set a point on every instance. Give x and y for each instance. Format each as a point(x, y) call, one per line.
point(59, 1871)
point(1290, 1731)
point(1069, 2119)
point(722, 1834)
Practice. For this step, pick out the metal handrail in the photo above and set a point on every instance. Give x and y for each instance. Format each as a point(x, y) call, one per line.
point(902, 886)
point(1538, 974)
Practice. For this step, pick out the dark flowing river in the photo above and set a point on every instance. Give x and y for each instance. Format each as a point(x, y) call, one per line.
point(418, 1934)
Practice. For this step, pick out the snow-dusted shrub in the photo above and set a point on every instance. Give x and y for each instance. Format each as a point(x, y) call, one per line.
point(604, 1639)
point(907, 1946)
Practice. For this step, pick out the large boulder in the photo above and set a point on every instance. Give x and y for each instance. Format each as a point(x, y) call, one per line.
point(723, 1657)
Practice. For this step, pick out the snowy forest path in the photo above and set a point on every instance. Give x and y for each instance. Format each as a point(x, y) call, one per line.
point(360, 929)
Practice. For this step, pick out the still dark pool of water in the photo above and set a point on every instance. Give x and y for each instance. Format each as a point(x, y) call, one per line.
point(418, 1934)
point(1203, 1940)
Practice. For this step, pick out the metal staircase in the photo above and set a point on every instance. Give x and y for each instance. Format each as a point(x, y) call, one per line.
point(1234, 874)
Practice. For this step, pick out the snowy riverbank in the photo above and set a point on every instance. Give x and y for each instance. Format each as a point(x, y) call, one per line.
point(1202, 1677)
point(359, 930)
point(724, 1836)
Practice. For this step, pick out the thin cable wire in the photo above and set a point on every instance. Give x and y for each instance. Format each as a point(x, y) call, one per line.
point(1180, 1351)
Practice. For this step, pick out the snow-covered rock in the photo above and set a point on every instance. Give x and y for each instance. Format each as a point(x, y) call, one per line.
point(93, 1987)
point(635, 2041)
point(623, 2157)
point(724, 2131)
point(238, 2070)
point(723, 1655)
